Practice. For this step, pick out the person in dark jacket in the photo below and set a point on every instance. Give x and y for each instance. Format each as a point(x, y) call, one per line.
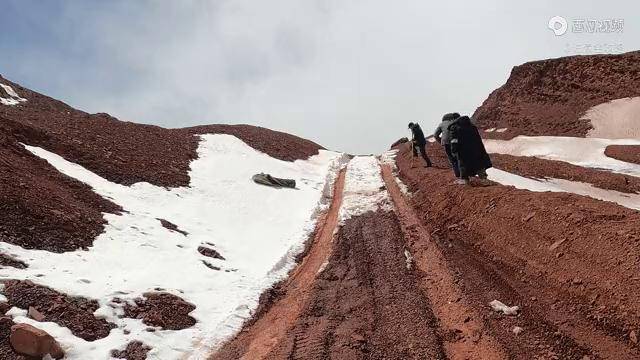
point(419, 142)
point(443, 136)
point(467, 146)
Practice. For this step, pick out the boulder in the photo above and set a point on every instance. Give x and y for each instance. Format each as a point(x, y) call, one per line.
point(31, 341)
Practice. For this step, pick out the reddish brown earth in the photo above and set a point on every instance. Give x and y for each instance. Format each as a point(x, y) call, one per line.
point(74, 313)
point(171, 226)
point(207, 251)
point(135, 350)
point(365, 304)
point(568, 261)
point(529, 166)
point(6, 260)
point(466, 335)
point(628, 153)
point(6, 351)
point(280, 306)
point(43, 209)
point(549, 97)
point(163, 310)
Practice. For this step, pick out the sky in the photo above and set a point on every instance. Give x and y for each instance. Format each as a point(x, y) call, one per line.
point(348, 74)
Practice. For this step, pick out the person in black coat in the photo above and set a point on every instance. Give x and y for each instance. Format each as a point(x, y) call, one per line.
point(467, 146)
point(419, 143)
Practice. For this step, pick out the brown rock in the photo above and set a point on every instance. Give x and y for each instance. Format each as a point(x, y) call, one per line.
point(35, 314)
point(633, 336)
point(31, 341)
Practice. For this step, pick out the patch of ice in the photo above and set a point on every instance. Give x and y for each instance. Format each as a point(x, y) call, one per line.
point(251, 225)
point(631, 201)
point(364, 188)
point(13, 99)
point(616, 119)
point(587, 152)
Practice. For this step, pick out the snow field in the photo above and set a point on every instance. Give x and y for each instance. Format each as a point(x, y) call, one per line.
point(258, 229)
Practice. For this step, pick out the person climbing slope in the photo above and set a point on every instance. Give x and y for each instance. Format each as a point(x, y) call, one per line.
point(467, 146)
point(419, 143)
point(443, 136)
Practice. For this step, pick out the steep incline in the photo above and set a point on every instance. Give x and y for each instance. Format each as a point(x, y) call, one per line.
point(549, 97)
point(41, 208)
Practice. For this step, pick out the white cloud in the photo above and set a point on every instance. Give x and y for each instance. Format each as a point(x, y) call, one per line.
point(348, 74)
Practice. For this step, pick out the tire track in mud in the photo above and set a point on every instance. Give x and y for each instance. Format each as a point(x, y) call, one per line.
point(465, 334)
point(260, 336)
point(558, 322)
point(366, 304)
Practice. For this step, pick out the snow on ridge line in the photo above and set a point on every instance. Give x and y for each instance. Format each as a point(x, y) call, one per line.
point(13, 99)
point(631, 201)
point(586, 152)
point(364, 189)
point(252, 226)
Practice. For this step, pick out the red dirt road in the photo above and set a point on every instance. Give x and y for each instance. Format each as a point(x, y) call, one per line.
point(568, 261)
point(278, 315)
point(466, 337)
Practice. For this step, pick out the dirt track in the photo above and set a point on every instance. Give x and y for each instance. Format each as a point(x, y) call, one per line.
point(566, 260)
point(416, 283)
point(278, 314)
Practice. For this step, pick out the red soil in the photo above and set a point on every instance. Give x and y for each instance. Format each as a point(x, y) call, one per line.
point(164, 310)
point(568, 261)
point(549, 97)
point(365, 304)
point(74, 313)
point(280, 306)
point(40, 208)
point(43, 209)
point(6, 260)
point(171, 226)
point(628, 153)
point(6, 351)
point(466, 334)
point(207, 251)
point(126, 152)
point(540, 168)
point(135, 350)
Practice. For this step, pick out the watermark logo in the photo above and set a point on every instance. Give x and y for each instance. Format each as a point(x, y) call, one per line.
point(578, 44)
point(558, 25)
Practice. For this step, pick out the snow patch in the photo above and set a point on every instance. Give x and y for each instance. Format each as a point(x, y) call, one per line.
point(501, 130)
point(389, 158)
point(13, 99)
point(252, 227)
point(616, 119)
point(631, 201)
point(587, 152)
point(490, 130)
point(364, 189)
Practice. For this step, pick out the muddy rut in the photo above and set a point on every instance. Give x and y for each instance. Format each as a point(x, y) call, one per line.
point(396, 285)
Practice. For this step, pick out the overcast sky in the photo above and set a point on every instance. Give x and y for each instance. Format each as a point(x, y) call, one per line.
point(348, 74)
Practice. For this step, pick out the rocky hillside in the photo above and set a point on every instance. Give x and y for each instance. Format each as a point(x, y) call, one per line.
point(37, 202)
point(550, 97)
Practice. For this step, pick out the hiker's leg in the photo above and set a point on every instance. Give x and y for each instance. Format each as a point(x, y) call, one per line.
point(414, 148)
point(453, 160)
point(423, 153)
point(482, 174)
